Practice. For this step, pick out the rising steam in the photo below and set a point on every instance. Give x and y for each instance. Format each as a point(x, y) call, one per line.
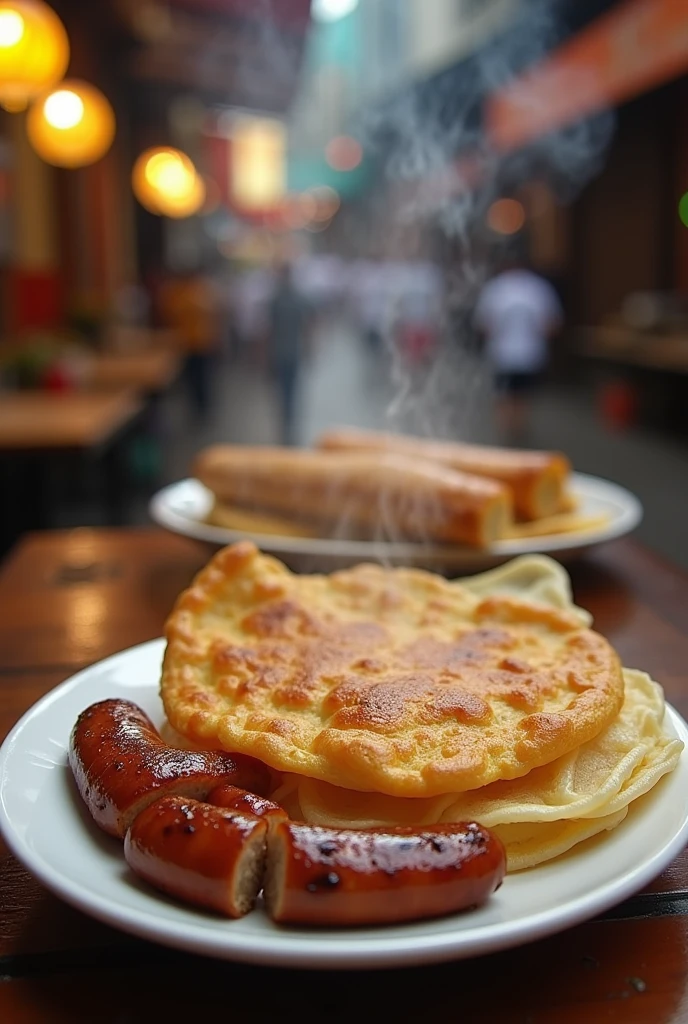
point(439, 163)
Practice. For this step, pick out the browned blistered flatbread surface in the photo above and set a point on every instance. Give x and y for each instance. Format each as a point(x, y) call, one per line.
point(388, 680)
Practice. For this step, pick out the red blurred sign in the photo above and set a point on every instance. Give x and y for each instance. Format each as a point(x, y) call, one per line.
point(635, 47)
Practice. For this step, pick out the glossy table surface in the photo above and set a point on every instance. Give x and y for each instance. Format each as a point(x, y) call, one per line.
point(71, 598)
point(41, 420)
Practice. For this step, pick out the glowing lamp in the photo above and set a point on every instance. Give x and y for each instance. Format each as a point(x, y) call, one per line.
point(72, 126)
point(34, 51)
point(167, 184)
point(506, 216)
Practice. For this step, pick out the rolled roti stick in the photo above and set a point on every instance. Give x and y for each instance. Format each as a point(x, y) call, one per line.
point(419, 499)
point(537, 480)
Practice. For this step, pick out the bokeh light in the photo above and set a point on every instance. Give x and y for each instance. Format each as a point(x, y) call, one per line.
point(167, 184)
point(332, 10)
point(63, 109)
point(258, 164)
point(343, 153)
point(34, 51)
point(327, 202)
point(683, 208)
point(506, 216)
point(72, 126)
point(309, 205)
point(11, 28)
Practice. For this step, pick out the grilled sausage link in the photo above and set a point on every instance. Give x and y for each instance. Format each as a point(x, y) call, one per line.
point(121, 765)
point(335, 877)
point(209, 856)
point(236, 799)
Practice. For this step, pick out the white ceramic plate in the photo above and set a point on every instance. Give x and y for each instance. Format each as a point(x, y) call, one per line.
point(184, 506)
point(47, 827)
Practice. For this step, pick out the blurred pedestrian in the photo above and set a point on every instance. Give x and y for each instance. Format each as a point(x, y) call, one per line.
point(517, 312)
point(420, 309)
point(370, 302)
point(189, 305)
point(289, 315)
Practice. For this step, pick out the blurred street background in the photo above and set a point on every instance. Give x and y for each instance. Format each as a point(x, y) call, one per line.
point(249, 220)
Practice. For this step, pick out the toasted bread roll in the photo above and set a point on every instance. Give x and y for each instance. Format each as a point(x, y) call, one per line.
point(537, 479)
point(329, 876)
point(418, 499)
point(209, 856)
point(121, 765)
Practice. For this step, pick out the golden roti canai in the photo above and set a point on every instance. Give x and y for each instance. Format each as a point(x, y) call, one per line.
point(541, 814)
point(394, 681)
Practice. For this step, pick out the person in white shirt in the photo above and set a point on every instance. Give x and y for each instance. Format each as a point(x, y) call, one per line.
point(517, 312)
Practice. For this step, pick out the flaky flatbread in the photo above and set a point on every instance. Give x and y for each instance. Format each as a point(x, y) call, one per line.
point(388, 680)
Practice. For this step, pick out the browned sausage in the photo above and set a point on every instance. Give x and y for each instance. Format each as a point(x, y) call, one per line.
point(121, 765)
point(236, 799)
point(209, 856)
point(334, 877)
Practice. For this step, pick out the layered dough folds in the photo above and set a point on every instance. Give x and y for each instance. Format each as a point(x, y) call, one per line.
point(541, 814)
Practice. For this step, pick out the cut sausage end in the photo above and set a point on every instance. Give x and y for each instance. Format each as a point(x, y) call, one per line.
point(275, 884)
point(248, 880)
point(209, 856)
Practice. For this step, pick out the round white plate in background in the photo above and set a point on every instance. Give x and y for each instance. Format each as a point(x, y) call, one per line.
point(183, 508)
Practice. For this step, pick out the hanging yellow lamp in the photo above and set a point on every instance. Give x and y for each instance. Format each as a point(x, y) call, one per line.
point(72, 126)
point(34, 51)
point(166, 183)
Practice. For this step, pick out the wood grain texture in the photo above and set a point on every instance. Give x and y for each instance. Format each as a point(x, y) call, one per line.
point(72, 597)
point(629, 973)
point(640, 603)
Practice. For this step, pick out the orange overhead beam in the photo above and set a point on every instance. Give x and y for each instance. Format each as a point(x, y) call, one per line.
point(635, 47)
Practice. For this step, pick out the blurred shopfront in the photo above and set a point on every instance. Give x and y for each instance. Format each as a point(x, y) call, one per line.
point(564, 138)
point(72, 239)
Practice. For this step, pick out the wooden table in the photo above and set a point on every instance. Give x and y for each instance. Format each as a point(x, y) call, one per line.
point(69, 598)
point(150, 372)
point(44, 435)
point(666, 353)
point(40, 421)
